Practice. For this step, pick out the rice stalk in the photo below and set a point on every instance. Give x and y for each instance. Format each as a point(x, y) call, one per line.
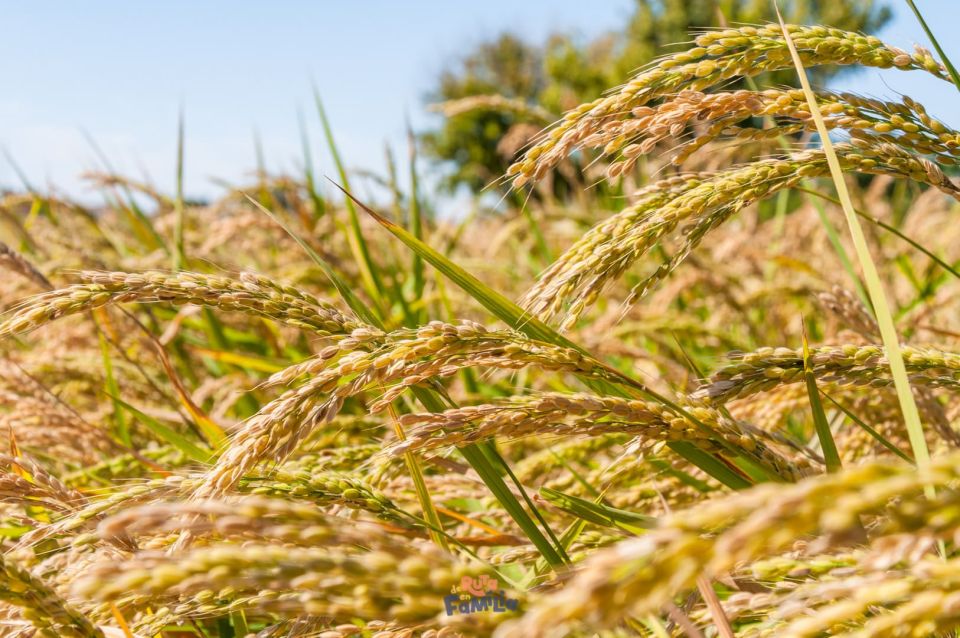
point(642, 574)
point(848, 365)
point(38, 603)
point(581, 275)
point(250, 294)
point(15, 262)
point(586, 415)
point(716, 57)
point(397, 361)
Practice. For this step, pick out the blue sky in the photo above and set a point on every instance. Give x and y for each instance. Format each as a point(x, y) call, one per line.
point(121, 70)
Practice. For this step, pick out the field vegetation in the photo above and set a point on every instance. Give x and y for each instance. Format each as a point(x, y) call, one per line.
point(706, 388)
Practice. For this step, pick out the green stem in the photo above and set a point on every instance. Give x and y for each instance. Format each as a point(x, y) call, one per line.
point(952, 70)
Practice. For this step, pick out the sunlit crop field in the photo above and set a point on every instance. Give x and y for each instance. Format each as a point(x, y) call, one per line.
point(713, 392)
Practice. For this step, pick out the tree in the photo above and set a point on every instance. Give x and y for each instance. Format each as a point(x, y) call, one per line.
point(479, 142)
point(468, 141)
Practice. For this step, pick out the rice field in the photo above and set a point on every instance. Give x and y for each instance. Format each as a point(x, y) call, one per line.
point(716, 398)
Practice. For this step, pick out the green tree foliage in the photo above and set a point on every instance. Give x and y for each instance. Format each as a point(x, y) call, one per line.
point(477, 144)
point(506, 66)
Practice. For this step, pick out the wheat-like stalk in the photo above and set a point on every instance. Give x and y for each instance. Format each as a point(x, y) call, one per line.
point(251, 294)
point(499, 103)
point(38, 603)
point(716, 116)
point(398, 361)
point(15, 262)
point(28, 482)
point(717, 56)
point(318, 581)
point(702, 203)
point(853, 365)
point(642, 574)
point(262, 517)
point(587, 415)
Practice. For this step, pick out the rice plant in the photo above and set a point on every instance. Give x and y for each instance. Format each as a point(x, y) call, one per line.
point(676, 413)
